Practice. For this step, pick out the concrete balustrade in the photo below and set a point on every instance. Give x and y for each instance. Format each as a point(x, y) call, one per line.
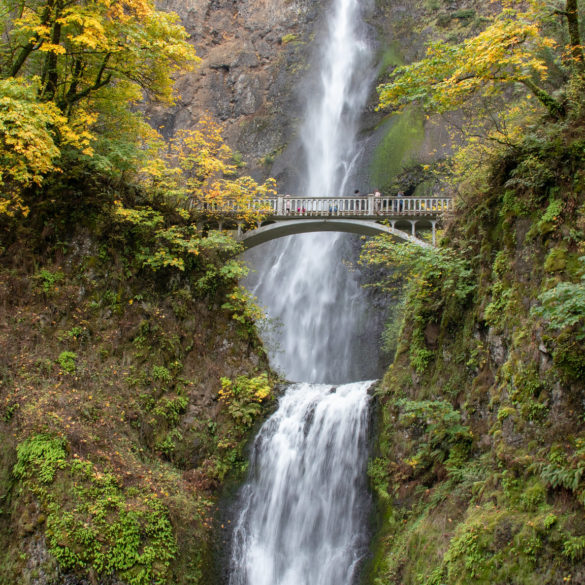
point(368, 206)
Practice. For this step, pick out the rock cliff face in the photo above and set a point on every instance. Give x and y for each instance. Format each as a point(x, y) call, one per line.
point(253, 54)
point(256, 59)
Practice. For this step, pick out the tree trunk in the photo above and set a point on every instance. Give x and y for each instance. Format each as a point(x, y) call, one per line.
point(572, 13)
point(30, 46)
point(555, 108)
point(50, 73)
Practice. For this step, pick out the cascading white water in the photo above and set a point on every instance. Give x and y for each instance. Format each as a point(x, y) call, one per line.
point(303, 512)
point(333, 110)
point(301, 521)
point(302, 281)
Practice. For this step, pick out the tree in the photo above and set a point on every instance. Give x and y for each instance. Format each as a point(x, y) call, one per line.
point(27, 147)
point(571, 13)
point(78, 47)
point(209, 175)
point(71, 74)
point(510, 51)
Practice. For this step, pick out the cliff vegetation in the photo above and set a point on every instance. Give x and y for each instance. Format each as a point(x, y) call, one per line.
point(478, 468)
point(131, 374)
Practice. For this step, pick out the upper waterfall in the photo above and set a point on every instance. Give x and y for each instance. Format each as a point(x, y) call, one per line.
point(335, 103)
point(302, 282)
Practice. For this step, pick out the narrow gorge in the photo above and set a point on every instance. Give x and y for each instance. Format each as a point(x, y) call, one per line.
point(323, 408)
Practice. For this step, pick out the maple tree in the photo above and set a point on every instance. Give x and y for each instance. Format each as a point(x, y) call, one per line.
point(76, 48)
point(511, 50)
point(71, 73)
point(27, 147)
point(209, 175)
point(197, 167)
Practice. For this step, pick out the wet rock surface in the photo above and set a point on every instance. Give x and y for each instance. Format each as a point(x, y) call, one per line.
point(253, 54)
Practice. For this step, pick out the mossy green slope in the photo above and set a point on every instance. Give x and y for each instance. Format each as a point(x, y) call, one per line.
point(128, 390)
point(403, 136)
point(480, 458)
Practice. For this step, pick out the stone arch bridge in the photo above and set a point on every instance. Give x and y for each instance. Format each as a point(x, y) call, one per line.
point(403, 218)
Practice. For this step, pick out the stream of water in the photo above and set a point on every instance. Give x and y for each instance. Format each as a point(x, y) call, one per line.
point(303, 512)
point(302, 515)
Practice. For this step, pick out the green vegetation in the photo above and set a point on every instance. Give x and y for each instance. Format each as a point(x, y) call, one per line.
point(289, 38)
point(95, 524)
point(391, 57)
point(244, 397)
point(479, 466)
point(563, 306)
point(66, 360)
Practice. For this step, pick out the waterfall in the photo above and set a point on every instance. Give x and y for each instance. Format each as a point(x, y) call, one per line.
point(301, 522)
point(302, 514)
point(302, 280)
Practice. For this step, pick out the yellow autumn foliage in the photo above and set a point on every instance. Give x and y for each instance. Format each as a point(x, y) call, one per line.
point(71, 75)
point(509, 51)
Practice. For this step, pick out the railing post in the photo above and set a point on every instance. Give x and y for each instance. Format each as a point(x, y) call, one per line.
point(279, 207)
point(370, 204)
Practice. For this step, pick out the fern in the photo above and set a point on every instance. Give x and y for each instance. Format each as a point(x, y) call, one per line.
point(566, 477)
point(574, 548)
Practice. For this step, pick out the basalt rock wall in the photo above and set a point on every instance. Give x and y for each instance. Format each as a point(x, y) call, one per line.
point(254, 54)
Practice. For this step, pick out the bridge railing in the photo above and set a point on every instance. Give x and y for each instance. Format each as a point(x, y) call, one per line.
point(368, 205)
point(265, 206)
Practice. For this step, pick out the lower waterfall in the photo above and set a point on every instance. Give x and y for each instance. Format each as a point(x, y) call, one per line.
point(302, 512)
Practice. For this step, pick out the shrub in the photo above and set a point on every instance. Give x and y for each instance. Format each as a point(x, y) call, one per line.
point(47, 280)
point(244, 396)
point(91, 521)
point(40, 456)
point(564, 305)
point(66, 360)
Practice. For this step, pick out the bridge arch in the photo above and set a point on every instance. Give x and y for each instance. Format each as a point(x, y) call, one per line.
point(281, 228)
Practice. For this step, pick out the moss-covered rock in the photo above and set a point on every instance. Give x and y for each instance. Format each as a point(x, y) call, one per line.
point(480, 460)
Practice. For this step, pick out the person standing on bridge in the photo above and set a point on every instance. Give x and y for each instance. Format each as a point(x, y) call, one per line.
point(400, 195)
point(377, 201)
point(360, 205)
point(287, 204)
